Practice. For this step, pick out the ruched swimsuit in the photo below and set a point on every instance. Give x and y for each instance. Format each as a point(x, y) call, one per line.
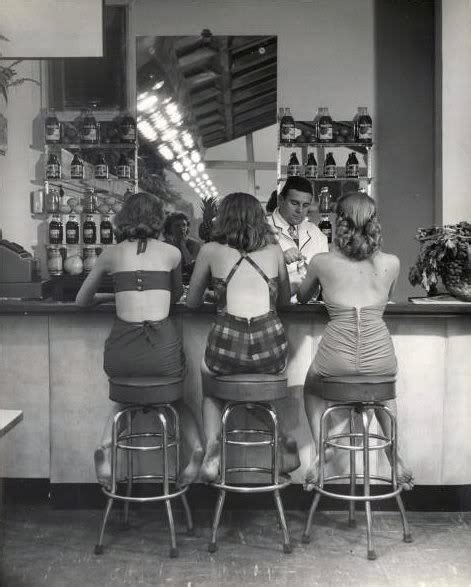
point(356, 341)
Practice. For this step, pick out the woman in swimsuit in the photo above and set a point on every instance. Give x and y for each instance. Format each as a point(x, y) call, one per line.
point(144, 341)
point(357, 280)
point(249, 277)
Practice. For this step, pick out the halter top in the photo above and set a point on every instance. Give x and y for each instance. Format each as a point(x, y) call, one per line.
point(142, 280)
point(220, 284)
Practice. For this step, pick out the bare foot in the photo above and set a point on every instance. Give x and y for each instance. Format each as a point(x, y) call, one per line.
point(405, 477)
point(312, 476)
point(102, 459)
point(289, 454)
point(210, 468)
point(190, 472)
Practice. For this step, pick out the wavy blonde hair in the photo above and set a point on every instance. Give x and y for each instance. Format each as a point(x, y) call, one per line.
point(358, 231)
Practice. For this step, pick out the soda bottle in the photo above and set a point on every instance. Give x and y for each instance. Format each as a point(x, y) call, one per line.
point(294, 168)
point(287, 128)
point(324, 201)
point(55, 230)
point(330, 167)
point(76, 167)
point(52, 129)
point(325, 226)
point(127, 129)
point(89, 132)
point(351, 168)
point(311, 167)
point(124, 169)
point(106, 231)
point(53, 167)
point(90, 201)
point(89, 230)
point(101, 167)
point(72, 230)
point(363, 126)
point(324, 126)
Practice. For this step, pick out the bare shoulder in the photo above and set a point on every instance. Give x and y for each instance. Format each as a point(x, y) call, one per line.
point(321, 260)
point(389, 261)
point(170, 250)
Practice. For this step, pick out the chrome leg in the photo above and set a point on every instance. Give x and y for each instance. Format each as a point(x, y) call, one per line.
point(366, 472)
point(129, 469)
point(306, 538)
point(212, 546)
point(171, 525)
point(351, 510)
point(287, 547)
point(189, 518)
point(99, 546)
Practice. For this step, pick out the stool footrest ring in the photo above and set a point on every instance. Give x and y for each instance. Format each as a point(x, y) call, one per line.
point(358, 498)
point(284, 481)
point(145, 499)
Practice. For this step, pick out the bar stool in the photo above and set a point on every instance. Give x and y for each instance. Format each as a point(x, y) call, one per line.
point(358, 396)
point(238, 391)
point(153, 395)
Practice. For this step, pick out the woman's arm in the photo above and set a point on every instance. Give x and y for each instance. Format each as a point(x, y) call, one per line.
point(177, 284)
point(284, 290)
point(310, 283)
point(199, 279)
point(86, 294)
point(396, 269)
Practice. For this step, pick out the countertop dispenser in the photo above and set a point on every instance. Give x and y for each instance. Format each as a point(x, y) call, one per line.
point(20, 275)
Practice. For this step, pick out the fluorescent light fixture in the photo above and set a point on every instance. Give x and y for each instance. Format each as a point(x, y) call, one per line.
point(178, 166)
point(158, 85)
point(192, 184)
point(205, 176)
point(177, 147)
point(187, 140)
point(186, 176)
point(186, 162)
point(195, 156)
point(170, 134)
point(200, 166)
point(192, 172)
point(166, 152)
point(147, 103)
point(209, 182)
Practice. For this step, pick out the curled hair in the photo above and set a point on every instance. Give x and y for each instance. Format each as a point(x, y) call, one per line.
point(358, 231)
point(140, 218)
point(171, 218)
point(240, 223)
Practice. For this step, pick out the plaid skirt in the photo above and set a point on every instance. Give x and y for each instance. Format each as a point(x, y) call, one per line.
point(242, 345)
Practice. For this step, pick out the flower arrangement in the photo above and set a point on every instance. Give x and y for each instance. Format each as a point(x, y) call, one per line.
point(444, 253)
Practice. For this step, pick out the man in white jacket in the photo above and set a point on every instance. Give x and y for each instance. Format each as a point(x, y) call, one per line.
point(299, 238)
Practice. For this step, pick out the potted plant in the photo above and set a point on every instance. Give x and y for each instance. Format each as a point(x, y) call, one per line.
point(444, 253)
point(209, 207)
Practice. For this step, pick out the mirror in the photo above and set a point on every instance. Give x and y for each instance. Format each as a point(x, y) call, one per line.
point(207, 113)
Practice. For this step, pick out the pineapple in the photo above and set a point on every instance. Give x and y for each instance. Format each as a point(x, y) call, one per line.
point(209, 207)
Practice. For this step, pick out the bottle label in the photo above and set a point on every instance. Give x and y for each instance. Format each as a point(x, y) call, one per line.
point(330, 171)
point(53, 133)
point(365, 132)
point(101, 171)
point(105, 233)
point(76, 171)
point(294, 170)
point(53, 171)
point(128, 133)
point(124, 171)
point(287, 132)
point(71, 234)
point(54, 233)
point(328, 233)
point(88, 233)
point(351, 170)
point(311, 171)
point(325, 132)
point(89, 133)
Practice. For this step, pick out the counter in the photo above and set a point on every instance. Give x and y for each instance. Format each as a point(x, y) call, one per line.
point(51, 368)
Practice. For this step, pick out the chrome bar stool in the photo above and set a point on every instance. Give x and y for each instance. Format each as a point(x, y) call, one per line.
point(155, 396)
point(238, 392)
point(358, 396)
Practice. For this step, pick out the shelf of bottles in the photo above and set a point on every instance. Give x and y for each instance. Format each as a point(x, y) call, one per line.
point(307, 149)
point(87, 177)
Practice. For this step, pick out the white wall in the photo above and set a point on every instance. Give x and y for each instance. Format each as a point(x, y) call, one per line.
point(456, 112)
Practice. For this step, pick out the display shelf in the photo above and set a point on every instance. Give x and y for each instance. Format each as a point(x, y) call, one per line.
point(90, 147)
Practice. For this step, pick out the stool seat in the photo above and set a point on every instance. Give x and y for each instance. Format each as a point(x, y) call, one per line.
point(244, 387)
point(357, 389)
point(144, 391)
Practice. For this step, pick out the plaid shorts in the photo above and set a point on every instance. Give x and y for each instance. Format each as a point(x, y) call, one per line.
point(241, 345)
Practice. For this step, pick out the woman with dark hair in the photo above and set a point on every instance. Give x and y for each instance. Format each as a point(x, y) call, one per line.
point(357, 280)
point(175, 231)
point(144, 341)
point(249, 277)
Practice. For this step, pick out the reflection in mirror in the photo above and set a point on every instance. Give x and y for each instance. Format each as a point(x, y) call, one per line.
point(207, 116)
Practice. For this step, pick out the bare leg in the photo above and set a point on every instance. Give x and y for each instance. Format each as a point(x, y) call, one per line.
point(212, 412)
point(102, 456)
point(404, 474)
point(191, 434)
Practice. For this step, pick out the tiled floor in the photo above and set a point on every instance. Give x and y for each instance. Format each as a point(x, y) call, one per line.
point(55, 548)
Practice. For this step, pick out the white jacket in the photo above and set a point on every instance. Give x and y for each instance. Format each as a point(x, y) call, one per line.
point(311, 242)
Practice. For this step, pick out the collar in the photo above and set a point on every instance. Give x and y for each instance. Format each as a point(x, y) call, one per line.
point(280, 223)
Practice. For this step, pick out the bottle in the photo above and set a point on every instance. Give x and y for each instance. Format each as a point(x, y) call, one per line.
point(72, 230)
point(53, 167)
point(363, 126)
point(127, 129)
point(54, 261)
point(89, 201)
point(89, 258)
point(76, 167)
point(124, 169)
point(325, 226)
point(324, 201)
point(311, 167)
point(89, 129)
point(101, 167)
point(330, 167)
point(89, 230)
point(52, 129)
point(324, 126)
point(55, 230)
point(351, 168)
point(294, 168)
point(287, 127)
point(52, 200)
point(106, 231)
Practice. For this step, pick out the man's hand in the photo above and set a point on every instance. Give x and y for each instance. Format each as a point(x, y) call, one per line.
point(292, 255)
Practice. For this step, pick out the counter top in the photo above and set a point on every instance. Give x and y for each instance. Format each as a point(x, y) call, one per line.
point(44, 307)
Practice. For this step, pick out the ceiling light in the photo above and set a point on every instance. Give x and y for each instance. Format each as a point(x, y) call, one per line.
point(197, 190)
point(170, 134)
point(209, 182)
point(158, 85)
point(192, 184)
point(186, 162)
point(195, 157)
point(205, 176)
point(188, 140)
point(200, 166)
point(142, 95)
point(166, 152)
point(177, 147)
point(192, 172)
point(147, 103)
point(186, 176)
point(177, 166)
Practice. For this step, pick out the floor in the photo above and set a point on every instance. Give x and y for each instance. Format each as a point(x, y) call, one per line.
point(40, 546)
